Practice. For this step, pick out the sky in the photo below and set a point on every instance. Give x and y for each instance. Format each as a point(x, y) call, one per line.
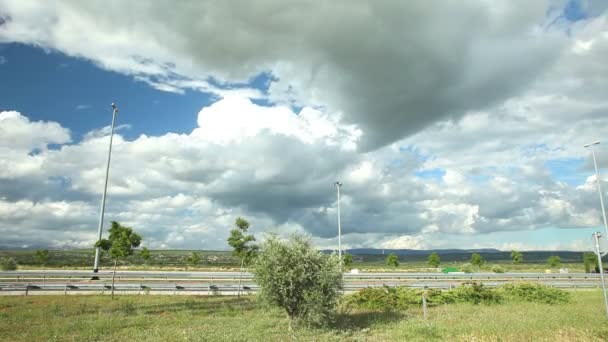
point(451, 124)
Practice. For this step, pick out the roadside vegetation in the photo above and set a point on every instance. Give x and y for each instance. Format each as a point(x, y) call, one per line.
point(170, 318)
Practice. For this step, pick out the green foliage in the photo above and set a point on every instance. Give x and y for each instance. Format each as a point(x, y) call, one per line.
point(477, 260)
point(590, 261)
point(296, 277)
point(121, 241)
point(401, 298)
point(347, 260)
point(468, 268)
point(42, 256)
point(554, 261)
point(475, 293)
point(517, 257)
point(434, 260)
point(242, 244)
point(194, 259)
point(385, 298)
point(498, 269)
point(8, 264)
point(392, 260)
point(536, 293)
point(145, 254)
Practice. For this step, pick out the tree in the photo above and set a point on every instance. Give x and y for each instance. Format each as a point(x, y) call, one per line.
point(590, 261)
point(434, 260)
point(347, 260)
point(42, 256)
point(392, 260)
point(243, 246)
point(517, 257)
point(145, 254)
point(119, 244)
point(8, 264)
point(554, 260)
point(296, 277)
point(194, 259)
point(477, 260)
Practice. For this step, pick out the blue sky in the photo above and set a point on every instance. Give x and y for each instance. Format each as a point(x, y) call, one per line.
point(458, 143)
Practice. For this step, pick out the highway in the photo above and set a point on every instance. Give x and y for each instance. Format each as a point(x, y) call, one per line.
point(225, 283)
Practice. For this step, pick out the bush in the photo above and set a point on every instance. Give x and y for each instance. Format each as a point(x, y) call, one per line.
point(536, 293)
point(475, 293)
point(8, 264)
point(498, 269)
point(296, 277)
point(468, 268)
point(385, 298)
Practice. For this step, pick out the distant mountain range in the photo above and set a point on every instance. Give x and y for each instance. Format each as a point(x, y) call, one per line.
point(375, 251)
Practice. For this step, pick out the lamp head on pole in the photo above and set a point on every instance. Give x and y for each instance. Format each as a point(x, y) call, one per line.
point(338, 184)
point(593, 143)
point(114, 107)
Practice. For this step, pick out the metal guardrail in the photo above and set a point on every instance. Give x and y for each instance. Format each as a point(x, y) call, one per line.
point(215, 289)
point(177, 276)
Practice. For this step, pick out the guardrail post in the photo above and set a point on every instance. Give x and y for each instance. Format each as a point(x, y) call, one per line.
point(65, 290)
point(27, 288)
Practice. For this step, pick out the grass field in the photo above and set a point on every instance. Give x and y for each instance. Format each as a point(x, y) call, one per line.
point(177, 318)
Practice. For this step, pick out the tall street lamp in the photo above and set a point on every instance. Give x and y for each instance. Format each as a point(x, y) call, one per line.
point(338, 185)
point(599, 187)
point(103, 197)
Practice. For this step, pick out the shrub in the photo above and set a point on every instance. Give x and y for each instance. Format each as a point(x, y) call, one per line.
point(498, 269)
point(536, 293)
point(468, 268)
point(296, 277)
point(475, 293)
point(8, 264)
point(385, 298)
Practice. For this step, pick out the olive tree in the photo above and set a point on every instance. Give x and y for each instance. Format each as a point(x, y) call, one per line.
point(554, 260)
point(42, 257)
point(517, 257)
point(477, 260)
point(146, 255)
point(243, 245)
point(119, 244)
point(298, 278)
point(392, 260)
point(434, 260)
point(347, 260)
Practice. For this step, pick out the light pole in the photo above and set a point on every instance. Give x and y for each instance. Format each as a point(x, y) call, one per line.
point(596, 237)
point(338, 185)
point(103, 197)
point(599, 187)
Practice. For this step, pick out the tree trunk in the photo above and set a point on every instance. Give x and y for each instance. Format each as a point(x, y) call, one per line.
point(114, 276)
point(238, 293)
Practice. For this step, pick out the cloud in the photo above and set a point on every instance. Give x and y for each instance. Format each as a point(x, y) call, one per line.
point(391, 69)
point(3, 60)
point(375, 95)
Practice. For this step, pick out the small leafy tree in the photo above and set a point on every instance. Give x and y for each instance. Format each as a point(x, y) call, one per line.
point(554, 260)
point(392, 260)
point(194, 259)
point(590, 261)
point(42, 256)
point(434, 260)
point(347, 260)
point(119, 244)
point(517, 257)
point(145, 254)
point(477, 260)
point(243, 245)
point(296, 277)
point(8, 264)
